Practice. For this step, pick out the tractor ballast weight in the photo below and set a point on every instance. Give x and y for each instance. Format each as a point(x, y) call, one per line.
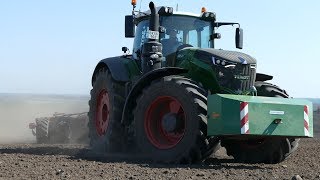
point(175, 98)
point(259, 116)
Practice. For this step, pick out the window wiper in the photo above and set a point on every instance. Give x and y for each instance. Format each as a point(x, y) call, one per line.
point(218, 24)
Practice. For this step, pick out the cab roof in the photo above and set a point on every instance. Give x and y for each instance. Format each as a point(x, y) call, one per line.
point(147, 13)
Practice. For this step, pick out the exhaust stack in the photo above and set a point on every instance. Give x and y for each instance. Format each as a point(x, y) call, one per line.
point(152, 49)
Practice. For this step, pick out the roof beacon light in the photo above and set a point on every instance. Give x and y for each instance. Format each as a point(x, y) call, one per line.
point(134, 2)
point(203, 10)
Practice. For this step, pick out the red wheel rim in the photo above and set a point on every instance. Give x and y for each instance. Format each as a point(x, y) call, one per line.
point(165, 122)
point(102, 112)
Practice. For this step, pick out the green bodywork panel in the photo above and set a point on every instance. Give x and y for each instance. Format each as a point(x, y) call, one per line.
point(198, 70)
point(263, 114)
point(133, 68)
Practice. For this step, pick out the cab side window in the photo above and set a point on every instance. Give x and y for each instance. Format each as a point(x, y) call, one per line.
point(140, 38)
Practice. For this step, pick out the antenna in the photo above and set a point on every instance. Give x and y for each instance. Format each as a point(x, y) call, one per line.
point(177, 7)
point(134, 3)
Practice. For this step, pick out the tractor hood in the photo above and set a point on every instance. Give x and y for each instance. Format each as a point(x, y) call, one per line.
point(211, 55)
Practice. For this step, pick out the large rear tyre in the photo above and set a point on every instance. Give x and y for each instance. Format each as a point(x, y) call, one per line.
point(170, 121)
point(262, 150)
point(106, 104)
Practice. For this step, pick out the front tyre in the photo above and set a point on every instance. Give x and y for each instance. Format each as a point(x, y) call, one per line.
point(170, 121)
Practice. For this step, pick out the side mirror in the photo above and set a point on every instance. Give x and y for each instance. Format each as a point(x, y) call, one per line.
point(165, 11)
point(125, 49)
point(239, 38)
point(129, 27)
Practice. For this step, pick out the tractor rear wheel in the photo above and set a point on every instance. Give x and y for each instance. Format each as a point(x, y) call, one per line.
point(106, 104)
point(170, 121)
point(263, 150)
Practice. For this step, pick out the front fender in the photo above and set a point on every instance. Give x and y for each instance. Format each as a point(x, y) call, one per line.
point(143, 82)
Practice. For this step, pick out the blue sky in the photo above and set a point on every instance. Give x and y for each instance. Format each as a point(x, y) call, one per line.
point(52, 47)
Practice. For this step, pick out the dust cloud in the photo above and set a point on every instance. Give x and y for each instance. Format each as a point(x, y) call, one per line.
point(18, 110)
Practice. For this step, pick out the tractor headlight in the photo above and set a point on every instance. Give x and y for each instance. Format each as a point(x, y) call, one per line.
point(223, 62)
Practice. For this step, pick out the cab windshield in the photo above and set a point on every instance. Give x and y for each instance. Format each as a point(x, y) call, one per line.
point(180, 30)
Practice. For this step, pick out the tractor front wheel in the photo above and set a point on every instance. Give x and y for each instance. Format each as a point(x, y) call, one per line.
point(170, 121)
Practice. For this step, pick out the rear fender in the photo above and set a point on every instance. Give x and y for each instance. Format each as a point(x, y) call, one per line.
point(116, 66)
point(144, 81)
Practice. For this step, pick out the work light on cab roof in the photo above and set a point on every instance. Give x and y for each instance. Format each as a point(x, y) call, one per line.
point(133, 2)
point(203, 9)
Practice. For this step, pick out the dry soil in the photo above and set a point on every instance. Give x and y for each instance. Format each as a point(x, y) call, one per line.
point(32, 161)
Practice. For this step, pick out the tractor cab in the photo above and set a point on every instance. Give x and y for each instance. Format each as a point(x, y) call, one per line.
point(180, 29)
point(177, 30)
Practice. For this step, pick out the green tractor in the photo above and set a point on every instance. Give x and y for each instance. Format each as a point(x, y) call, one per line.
point(176, 98)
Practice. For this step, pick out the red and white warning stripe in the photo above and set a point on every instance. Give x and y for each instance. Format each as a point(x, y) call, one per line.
point(306, 121)
point(244, 118)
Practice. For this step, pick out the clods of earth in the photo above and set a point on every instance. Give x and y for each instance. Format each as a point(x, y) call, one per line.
point(33, 161)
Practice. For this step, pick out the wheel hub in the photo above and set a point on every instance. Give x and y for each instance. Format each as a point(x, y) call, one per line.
point(169, 122)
